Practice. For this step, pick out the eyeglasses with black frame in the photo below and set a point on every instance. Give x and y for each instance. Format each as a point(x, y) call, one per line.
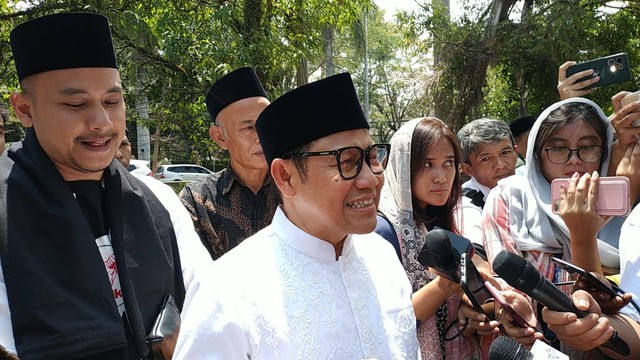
point(349, 159)
point(587, 153)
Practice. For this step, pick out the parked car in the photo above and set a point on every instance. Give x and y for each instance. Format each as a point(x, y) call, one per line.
point(140, 167)
point(181, 172)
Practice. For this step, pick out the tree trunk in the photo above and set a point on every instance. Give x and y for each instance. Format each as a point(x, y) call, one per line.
point(520, 81)
point(442, 99)
point(329, 69)
point(302, 72)
point(142, 107)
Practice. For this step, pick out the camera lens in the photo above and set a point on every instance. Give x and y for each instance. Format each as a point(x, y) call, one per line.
point(619, 60)
point(610, 62)
point(620, 66)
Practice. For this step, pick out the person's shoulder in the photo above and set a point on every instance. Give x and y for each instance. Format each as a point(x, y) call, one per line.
point(205, 183)
point(251, 250)
point(155, 185)
point(374, 243)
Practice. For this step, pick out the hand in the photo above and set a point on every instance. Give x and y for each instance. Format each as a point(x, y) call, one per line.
point(623, 119)
point(629, 166)
point(584, 333)
point(567, 86)
point(608, 304)
point(477, 321)
point(578, 208)
point(520, 304)
point(444, 285)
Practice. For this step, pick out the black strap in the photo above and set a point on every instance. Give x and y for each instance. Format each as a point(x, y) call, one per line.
point(477, 197)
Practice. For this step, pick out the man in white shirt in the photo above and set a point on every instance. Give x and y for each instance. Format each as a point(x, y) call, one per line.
point(488, 155)
point(316, 283)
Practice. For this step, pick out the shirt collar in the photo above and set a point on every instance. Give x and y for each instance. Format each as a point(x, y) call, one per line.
point(305, 243)
point(228, 178)
point(476, 185)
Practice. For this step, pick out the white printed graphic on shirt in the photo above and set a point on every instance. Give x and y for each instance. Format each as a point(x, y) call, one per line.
point(109, 258)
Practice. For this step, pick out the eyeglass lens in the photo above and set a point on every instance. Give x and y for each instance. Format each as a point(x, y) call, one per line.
point(350, 160)
point(560, 155)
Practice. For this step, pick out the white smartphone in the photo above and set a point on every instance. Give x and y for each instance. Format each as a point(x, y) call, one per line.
point(628, 99)
point(613, 195)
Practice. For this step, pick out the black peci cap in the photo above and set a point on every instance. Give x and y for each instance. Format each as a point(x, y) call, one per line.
point(62, 41)
point(521, 125)
point(239, 84)
point(308, 113)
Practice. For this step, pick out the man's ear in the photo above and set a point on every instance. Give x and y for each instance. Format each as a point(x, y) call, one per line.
point(22, 105)
point(467, 169)
point(217, 134)
point(283, 173)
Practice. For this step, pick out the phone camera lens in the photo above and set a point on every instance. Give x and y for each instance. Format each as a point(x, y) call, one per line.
point(610, 62)
point(620, 66)
point(619, 60)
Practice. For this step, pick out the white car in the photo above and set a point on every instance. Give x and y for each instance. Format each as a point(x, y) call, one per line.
point(140, 167)
point(181, 172)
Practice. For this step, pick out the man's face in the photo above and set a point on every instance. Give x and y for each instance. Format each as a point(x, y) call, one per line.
point(492, 162)
point(124, 152)
point(236, 132)
point(329, 207)
point(78, 115)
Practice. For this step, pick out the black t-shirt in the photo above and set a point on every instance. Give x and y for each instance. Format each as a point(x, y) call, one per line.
point(90, 197)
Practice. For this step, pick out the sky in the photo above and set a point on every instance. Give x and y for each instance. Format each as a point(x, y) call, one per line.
point(391, 6)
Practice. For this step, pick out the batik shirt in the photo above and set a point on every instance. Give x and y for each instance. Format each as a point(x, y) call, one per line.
point(225, 211)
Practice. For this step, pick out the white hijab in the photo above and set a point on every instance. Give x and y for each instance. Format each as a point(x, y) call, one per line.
point(536, 226)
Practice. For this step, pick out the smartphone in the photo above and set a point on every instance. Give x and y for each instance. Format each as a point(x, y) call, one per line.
point(517, 318)
point(628, 99)
point(472, 283)
point(612, 69)
point(586, 276)
point(613, 195)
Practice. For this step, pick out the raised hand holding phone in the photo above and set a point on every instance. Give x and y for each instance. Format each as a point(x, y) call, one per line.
point(575, 85)
point(612, 200)
point(515, 314)
point(611, 69)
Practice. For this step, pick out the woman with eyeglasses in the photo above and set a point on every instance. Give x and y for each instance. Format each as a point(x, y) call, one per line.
point(570, 139)
point(421, 191)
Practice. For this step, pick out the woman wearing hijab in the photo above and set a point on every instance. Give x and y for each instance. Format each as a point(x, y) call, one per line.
point(570, 139)
point(422, 190)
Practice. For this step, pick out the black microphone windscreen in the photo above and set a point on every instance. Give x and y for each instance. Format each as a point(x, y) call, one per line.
point(516, 271)
point(505, 348)
point(438, 253)
point(438, 242)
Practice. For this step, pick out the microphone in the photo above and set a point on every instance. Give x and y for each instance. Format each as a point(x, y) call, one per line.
point(442, 250)
point(521, 274)
point(505, 348)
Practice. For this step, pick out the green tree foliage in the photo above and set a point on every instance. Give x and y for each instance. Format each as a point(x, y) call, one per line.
point(177, 49)
point(501, 58)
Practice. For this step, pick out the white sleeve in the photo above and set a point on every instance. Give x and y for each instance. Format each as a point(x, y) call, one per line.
point(211, 326)
point(471, 221)
point(630, 262)
point(6, 328)
point(194, 257)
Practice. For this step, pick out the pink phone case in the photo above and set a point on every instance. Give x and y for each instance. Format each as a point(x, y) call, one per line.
point(613, 195)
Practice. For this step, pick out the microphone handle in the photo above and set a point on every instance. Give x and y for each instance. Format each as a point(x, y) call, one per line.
point(554, 299)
